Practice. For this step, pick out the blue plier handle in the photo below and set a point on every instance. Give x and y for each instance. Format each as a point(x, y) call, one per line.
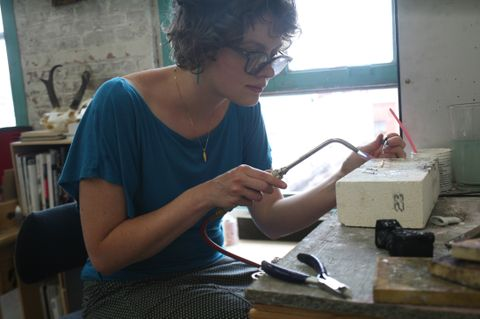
point(322, 279)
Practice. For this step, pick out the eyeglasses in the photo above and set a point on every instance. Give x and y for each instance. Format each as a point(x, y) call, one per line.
point(257, 61)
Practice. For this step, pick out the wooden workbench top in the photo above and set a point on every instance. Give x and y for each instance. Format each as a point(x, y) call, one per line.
point(350, 256)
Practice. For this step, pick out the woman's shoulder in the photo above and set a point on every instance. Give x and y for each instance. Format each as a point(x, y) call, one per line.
point(135, 83)
point(113, 87)
point(148, 81)
point(115, 95)
point(110, 92)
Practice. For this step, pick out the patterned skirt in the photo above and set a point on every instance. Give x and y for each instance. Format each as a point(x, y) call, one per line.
point(215, 292)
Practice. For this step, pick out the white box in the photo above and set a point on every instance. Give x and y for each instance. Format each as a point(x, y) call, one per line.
point(405, 190)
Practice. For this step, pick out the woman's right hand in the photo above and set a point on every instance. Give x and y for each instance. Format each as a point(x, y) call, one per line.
point(242, 186)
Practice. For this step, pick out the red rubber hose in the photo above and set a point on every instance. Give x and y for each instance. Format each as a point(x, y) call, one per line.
point(211, 243)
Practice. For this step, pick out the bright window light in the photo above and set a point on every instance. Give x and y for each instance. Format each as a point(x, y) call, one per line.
point(7, 111)
point(296, 124)
point(338, 33)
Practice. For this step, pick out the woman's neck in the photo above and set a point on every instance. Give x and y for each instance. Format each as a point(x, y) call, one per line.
point(197, 95)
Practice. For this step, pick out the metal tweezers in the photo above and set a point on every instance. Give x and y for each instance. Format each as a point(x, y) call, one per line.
point(322, 279)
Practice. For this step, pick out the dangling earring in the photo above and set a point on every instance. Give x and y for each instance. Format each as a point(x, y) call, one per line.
point(197, 72)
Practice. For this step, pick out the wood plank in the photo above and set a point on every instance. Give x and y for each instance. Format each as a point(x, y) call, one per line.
point(279, 312)
point(463, 272)
point(407, 280)
point(7, 214)
point(31, 299)
point(7, 269)
point(467, 249)
point(8, 236)
point(350, 255)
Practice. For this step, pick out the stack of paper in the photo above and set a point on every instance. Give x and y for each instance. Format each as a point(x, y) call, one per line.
point(41, 135)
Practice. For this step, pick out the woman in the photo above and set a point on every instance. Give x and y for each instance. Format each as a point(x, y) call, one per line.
point(159, 150)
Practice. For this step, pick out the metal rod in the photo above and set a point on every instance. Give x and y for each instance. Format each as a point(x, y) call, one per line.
point(279, 173)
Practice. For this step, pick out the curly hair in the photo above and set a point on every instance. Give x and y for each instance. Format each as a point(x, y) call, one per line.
point(200, 28)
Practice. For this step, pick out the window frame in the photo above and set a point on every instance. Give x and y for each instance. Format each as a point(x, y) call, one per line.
point(14, 62)
point(329, 79)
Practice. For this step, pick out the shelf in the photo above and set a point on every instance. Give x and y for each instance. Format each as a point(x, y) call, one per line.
point(64, 141)
point(32, 296)
point(33, 147)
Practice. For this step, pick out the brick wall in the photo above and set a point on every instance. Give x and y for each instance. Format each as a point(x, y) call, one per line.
point(107, 37)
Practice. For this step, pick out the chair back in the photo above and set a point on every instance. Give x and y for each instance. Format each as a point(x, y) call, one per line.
point(49, 242)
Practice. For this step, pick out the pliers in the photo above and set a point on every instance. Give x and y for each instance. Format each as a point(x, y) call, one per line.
point(322, 279)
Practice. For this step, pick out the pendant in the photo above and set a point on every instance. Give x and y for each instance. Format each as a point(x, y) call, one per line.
point(204, 155)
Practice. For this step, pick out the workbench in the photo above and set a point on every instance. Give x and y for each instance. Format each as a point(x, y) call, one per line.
point(350, 256)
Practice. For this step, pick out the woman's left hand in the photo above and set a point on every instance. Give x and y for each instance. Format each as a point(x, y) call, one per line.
point(392, 146)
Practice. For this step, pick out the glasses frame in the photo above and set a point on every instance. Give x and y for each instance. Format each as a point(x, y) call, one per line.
point(282, 61)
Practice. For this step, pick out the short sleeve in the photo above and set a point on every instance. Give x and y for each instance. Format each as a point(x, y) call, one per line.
point(104, 142)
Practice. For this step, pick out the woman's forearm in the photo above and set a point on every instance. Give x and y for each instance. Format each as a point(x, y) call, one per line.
point(291, 214)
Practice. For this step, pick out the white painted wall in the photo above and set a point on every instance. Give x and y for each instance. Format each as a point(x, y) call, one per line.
point(107, 37)
point(439, 57)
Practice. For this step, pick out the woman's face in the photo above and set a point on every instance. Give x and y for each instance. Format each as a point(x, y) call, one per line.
point(228, 70)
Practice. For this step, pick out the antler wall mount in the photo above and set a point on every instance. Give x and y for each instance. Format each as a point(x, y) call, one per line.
point(61, 117)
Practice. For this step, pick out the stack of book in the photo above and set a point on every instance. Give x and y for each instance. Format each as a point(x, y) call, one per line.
point(38, 174)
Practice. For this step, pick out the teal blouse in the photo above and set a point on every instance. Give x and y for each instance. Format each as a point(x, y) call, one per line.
point(121, 141)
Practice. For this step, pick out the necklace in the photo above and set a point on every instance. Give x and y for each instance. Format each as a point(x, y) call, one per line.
point(203, 146)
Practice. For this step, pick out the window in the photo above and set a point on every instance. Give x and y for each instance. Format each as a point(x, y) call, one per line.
point(341, 83)
point(12, 88)
point(6, 102)
point(297, 123)
point(343, 33)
